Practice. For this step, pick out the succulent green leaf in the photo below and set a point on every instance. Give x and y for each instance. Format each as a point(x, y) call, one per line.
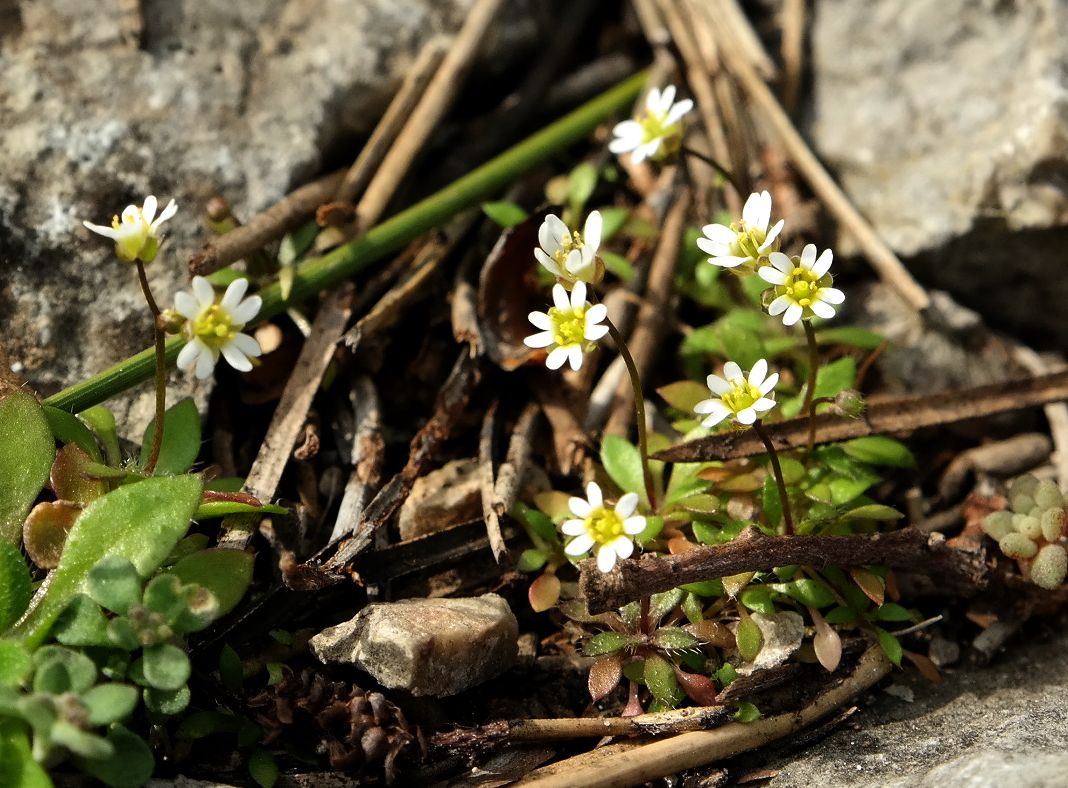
point(210, 509)
point(531, 560)
point(166, 666)
point(758, 599)
point(674, 639)
point(108, 703)
point(225, 573)
point(623, 463)
point(181, 439)
point(505, 214)
point(15, 585)
point(580, 185)
point(68, 428)
point(27, 449)
point(81, 671)
point(102, 421)
point(140, 521)
point(164, 595)
point(17, 766)
point(82, 623)
point(750, 639)
point(890, 645)
point(891, 611)
point(726, 674)
point(660, 678)
point(131, 765)
point(617, 265)
point(746, 712)
point(873, 511)
point(231, 671)
point(840, 615)
point(114, 583)
point(262, 768)
point(15, 664)
point(80, 742)
point(122, 634)
point(606, 643)
point(663, 603)
point(807, 591)
point(880, 450)
point(167, 703)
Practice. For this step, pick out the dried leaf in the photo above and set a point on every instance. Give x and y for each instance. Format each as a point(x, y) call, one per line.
point(870, 583)
point(544, 592)
point(714, 633)
point(605, 675)
point(68, 478)
point(925, 666)
point(45, 531)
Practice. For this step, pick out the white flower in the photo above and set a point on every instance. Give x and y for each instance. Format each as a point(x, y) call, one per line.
point(569, 328)
point(214, 328)
point(743, 398)
point(612, 531)
point(569, 256)
point(744, 242)
point(136, 236)
point(802, 285)
point(657, 133)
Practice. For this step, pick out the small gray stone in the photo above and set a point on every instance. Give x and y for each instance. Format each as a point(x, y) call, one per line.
point(433, 647)
point(449, 496)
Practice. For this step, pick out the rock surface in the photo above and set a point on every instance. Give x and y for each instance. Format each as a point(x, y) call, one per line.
point(946, 122)
point(436, 647)
point(982, 728)
point(442, 498)
point(108, 101)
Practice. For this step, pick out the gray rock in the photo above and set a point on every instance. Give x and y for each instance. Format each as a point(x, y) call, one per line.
point(945, 121)
point(433, 647)
point(102, 106)
point(443, 498)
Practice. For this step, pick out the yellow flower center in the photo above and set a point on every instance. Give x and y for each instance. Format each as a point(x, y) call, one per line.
point(136, 240)
point(569, 326)
point(214, 327)
point(654, 126)
point(570, 241)
point(603, 525)
point(749, 240)
point(741, 396)
point(802, 286)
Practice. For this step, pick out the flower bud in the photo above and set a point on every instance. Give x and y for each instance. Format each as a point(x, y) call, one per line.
point(850, 402)
point(171, 321)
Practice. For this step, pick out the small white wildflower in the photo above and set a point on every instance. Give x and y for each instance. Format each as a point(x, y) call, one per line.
point(570, 256)
point(742, 398)
point(802, 285)
point(611, 531)
point(136, 236)
point(213, 328)
point(657, 132)
point(569, 328)
point(742, 244)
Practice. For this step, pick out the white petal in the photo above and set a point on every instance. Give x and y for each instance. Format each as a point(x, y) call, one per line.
point(591, 233)
point(560, 299)
point(730, 261)
point(247, 345)
point(628, 129)
point(556, 232)
point(547, 262)
point(579, 545)
point(747, 416)
point(579, 507)
point(541, 320)
point(539, 340)
point(782, 262)
point(769, 383)
point(773, 233)
point(758, 373)
point(650, 148)
point(594, 495)
point(792, 314)
point(716, 417)
point(556, 358)
point(634, 525)
point(626, 505)
point(763, 404)
point(595, 333)
point(203, 291)
point(823, 264)
point(751, 211)
point(641, 153)
point(596, 314)
point(606, 558)
point(235, 358)
point(713, 248)
point(719, 233)
point(574, 356)
point(205, 363)
point(131, 215)
point(573, 263)
point(808, 256)
point(731, 370)
point(652, 99)
point(148, 210)
point(573, 527)
point(822, 309)
point(779, 305)
point(235, 291)
point(246, 310)
point(187, 357)
point(621, 145)
point(771, 275)
point(623, 546)
point(99, 229)
point(677, 111)
point(667, 98)
point(578, 295)
point(831, 295)
point(186, 305)
point(717, 385)
point(168, 212)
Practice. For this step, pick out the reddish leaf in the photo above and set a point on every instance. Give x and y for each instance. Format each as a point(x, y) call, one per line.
point(679, 545)
point(925, 666)
point(827, 644)
point(605, 675)
point(544, 592)
point(634, 706)
point(870, 583)
point(713, 632)
point(69, 481)
point(211, 496)
point(45, 531)
point(700, 689)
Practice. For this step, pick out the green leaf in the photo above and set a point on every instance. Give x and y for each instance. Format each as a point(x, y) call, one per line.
point(873, 511)
point(231, 672)
point(660, 678)
point(880, 450)
point(15, 585)
point(166, 666)
point(15, 664)
point(771, 501)
point(653, 526)
point(726, 674)
point(849, 335)
point(830, 379)
point(683, 395)
point(612, 220)
point(531, 560)
point(890, 645)
point(617, 265)
point(580, 185)
point(674, 639)
point(623, 464)
point(262, 768)
point(746, 712)
point(78, 671)
point(141, 522)
point(27, 449)
point(80, 742)
point(663, 603)
point(108, 703)
point(181, 439)
point(845, 491)
point(758, 598)
point(68, 428)
point(891, 611)
point(840, 615)
point(165, 596)
point(294, 244)
point(536, 522)
point(693, 608)
point(17, 766)
point(705, 588)
point(505, 214)
point(606, 643)
point(82, 623)
point(225, 573)
point(167, 703)
point(749, 638)
point(130, 766)
point(114, 583)
point(102, 421)
point(807, 591)
point(741, 345)
point(211, 509)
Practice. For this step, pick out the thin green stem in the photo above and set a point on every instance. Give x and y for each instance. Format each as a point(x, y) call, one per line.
point(382, 240)
point(639, 411)
point(160, 352)
point(809, 405)
point(776, 468)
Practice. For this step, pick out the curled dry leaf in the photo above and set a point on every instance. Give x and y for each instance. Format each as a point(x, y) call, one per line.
point(68, 477)
point(827, 644)
point(544, 592)
point(45, 531)
point(605, 675)
point(925, 666)
point(870, 583)
point(508, 292)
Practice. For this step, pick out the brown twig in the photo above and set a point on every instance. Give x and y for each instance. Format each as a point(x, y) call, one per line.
point(286, 214)
point(886, 417)
point(368, 454)
point(793, 40)
point(879, 254)
point(514, 468)
point(291, 412)
point(486, 482)
point(638, 765)
point(393, 120)
point(958, 572)
point(1003, 458)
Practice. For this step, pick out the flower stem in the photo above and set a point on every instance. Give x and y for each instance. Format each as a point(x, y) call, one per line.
point(773, 455)
point(639, 411)
point(809, 405)
point(161, 370)
point(727, 174)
